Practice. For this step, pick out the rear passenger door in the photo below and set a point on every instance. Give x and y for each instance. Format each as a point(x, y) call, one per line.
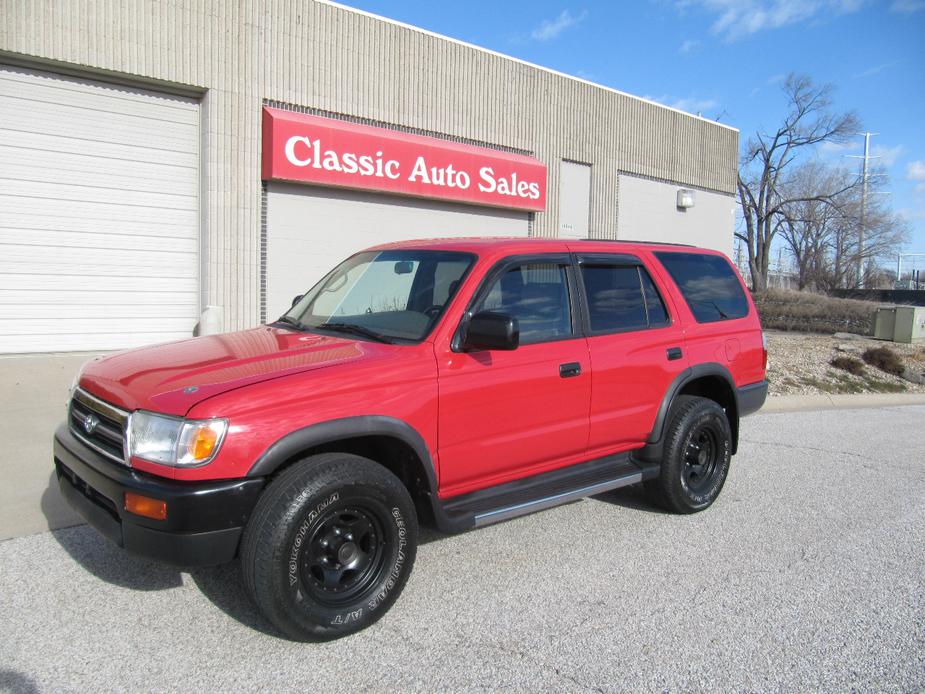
point(635, 344)
point(507, 414)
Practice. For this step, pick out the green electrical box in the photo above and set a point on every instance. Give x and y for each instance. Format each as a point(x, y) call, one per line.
point(884, 323)
point(909, 324)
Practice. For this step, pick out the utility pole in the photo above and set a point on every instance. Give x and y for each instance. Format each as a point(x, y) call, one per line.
point(864, 177)
point(863, 212)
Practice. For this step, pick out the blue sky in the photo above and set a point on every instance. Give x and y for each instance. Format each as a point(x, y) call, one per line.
point(725, 59)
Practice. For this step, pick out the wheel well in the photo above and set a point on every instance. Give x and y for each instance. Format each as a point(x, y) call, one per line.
point(390, 452)
point(718, 390)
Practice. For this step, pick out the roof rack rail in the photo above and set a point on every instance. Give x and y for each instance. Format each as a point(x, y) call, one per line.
point(659, 243)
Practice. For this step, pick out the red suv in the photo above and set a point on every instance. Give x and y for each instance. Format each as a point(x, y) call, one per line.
point(457, 382)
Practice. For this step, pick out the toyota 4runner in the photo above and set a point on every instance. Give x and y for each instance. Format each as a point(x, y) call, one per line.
point(456, 382)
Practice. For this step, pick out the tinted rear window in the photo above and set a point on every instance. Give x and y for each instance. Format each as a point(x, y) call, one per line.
point(708, 284)
point(621, 298)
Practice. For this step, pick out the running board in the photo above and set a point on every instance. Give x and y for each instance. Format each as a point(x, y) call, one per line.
point(539, 492)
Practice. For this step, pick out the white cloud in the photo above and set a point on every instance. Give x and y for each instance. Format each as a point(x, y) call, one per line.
point(907, 6)
point(871, 71)
point(585, 75)
point(694, 105)
point(551, 28)
point(690, 104)
point(915, 170)
point(887, 156)
point(736, 19)
point(689, 46)
point(834, 148)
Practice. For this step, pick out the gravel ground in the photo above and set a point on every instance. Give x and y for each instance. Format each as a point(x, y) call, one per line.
point(798, 363)
point(808, 574)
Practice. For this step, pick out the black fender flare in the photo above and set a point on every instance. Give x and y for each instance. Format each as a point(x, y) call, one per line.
point(331, 431)
point(653, 447)
point(334, 430)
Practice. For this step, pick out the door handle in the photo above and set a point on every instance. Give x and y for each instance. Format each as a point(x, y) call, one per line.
point(573, 368)
point(674, 353)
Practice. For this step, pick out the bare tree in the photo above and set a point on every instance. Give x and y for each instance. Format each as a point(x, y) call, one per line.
point(820, 222)
point(811, 217)
point(767, 157)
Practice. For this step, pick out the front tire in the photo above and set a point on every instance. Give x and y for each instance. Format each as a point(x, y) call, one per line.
point(329, 547)
point(697, 454)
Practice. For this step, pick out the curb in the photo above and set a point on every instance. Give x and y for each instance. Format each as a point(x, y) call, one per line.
point(822, 401)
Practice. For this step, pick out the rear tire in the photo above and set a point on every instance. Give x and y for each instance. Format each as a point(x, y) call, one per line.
point(329, 547)
point(697, 453)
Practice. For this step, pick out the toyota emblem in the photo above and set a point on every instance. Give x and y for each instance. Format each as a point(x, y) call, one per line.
point(90, 422)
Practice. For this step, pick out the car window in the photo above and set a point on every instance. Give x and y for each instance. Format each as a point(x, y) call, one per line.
point(708, 284)
point(537, 295)
point(655, 306)
point(621, 298)
point(393, 295)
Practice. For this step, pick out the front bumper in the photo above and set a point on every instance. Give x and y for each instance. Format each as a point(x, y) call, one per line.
point(204, 521)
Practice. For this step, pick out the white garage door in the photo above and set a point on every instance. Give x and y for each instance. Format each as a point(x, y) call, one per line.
point(310, 230)
point(99, 214)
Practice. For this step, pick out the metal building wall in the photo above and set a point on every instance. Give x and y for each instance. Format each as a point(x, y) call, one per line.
point(315, 54)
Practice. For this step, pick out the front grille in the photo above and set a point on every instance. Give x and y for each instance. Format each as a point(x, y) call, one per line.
point(98, 424)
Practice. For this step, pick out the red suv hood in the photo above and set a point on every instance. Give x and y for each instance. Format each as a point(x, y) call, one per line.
point(174, 376)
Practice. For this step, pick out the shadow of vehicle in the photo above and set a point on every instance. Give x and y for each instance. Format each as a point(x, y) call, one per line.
point(57, 512)
point(222, 585)
point(632, 497)
point(98, 555)
point(16, 683)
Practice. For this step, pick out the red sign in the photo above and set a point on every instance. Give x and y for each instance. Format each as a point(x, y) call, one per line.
point(324, 151)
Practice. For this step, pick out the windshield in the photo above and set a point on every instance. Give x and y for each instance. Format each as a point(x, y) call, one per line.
point(389, 296)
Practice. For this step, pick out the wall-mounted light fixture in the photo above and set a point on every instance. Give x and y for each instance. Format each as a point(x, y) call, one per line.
point(685, 199)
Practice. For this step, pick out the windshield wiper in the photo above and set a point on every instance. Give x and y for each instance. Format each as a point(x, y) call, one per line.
point(294, 322)
point(722, 314)
point(354, 329)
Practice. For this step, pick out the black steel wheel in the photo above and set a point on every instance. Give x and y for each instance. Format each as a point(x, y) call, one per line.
point(329, 547)
point(697, 454)
point(344, 555)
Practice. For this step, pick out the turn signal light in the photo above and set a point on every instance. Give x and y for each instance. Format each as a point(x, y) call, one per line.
point(203, 442)
point(145, 506)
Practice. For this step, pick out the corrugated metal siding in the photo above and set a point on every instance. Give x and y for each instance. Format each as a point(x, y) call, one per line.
point(327, 57)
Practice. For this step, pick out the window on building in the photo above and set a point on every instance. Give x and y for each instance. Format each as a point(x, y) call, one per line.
point(621, 297)
point(537, 296)
point(708, 284)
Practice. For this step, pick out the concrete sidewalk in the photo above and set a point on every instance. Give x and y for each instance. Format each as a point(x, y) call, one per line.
point(823, 401)
point(33, 404)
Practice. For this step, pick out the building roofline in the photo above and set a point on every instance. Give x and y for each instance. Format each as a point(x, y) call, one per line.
point(522, 62)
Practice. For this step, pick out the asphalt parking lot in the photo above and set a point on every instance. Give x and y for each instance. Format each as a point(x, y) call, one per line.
point(807, 574)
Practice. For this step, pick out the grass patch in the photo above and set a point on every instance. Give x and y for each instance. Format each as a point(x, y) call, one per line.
point(849, 364)
point(885, 359)
point(847, 384)
point(785, 309)
point(824, 386)
point(879, 386)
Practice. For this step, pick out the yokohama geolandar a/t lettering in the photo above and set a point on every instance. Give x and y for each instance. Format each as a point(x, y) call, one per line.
point(457, 382)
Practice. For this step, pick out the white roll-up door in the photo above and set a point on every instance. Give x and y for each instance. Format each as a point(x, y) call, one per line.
point(99, 214)
point(312, 229)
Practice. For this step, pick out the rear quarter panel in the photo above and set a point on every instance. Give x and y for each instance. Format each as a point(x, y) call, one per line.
point(736, 343)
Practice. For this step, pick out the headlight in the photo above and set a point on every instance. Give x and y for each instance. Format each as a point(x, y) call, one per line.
point(174, 441)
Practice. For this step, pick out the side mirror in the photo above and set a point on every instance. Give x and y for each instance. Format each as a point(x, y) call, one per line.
point(492, 330)
point(297, 299)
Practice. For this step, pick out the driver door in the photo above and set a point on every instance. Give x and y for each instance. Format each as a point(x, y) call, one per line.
point(508, 414)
